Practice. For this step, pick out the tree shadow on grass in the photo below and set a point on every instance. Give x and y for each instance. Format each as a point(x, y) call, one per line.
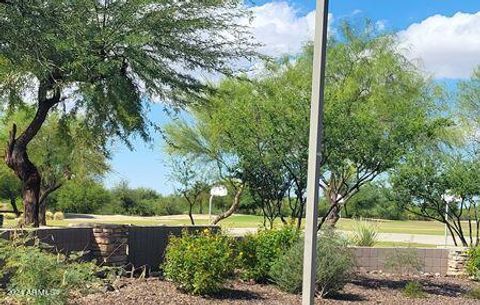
point(429, 286)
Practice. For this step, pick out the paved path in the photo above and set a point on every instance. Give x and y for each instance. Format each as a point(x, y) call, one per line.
point(438, 240)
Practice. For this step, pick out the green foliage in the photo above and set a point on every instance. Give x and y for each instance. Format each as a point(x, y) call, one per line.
point(404, 261)
point(474, 293)
point(261, 250)
point(111, 56)
point(35, 276)
point(377, 108)
point(414, 289)
point(365, 234)
point(334, 266)
point(430, 173)
point(84, 197)
point(199, 263)
point(473, 262)
point(130, 201)
point(375, 200)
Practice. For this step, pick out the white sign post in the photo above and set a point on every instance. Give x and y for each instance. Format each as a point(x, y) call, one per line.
point(314, 149)
point(218, 191)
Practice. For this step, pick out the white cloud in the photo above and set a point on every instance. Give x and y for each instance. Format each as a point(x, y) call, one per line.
point(279, 27)
point(447, 47)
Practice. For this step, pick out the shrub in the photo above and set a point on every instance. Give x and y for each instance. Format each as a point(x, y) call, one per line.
point(414, 290)
point(335, 264)
point(49, 215)
point(474, 293)
point(473, 262)
point(58, 216)
point(199, 264)
point(365, 234)
point(261, 250)
point(404, 261)
point(34, 276)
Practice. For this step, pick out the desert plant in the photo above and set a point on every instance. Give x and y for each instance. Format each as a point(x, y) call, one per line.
point(473, 263)
point(414, 289)
point(365, 234)
point(58, 216)
point(35, 276)
point(261, 250)
point(334, 267)
point(199, 263)
point(474, 293)
point(404, 261)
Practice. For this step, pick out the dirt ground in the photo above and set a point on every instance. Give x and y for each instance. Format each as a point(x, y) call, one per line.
point(364, 289)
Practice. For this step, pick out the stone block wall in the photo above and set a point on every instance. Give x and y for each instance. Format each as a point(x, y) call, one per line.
point(110, 244)
point(457, 260)
point(432, 261)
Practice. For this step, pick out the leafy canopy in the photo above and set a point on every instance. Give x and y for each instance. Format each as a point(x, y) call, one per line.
point(106, 57)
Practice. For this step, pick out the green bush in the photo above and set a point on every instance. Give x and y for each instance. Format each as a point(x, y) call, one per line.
point(199, 263)
point(258, 252)
point(414, 290)
point(34, 276)
point(365, 234)
point(474, 293)
point(335, 265)
point(473, 262)
point(80, 197)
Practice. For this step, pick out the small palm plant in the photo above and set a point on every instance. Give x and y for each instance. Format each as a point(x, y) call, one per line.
point(365, 234)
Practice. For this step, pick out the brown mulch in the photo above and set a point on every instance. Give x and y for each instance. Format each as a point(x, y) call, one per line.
point(364, 289)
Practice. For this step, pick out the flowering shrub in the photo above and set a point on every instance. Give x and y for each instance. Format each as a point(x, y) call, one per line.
point(199, 263)
point(258, 252)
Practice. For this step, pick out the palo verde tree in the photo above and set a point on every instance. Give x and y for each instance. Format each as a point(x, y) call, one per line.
point(441, 185)
point(378, 106)
point(191, 179)
point(103, 60)
point(448, 167)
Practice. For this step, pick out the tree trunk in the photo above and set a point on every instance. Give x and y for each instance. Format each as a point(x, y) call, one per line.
point(233, 207)
point(17, 159)
point(334, 215)
point(16, 156)
point(190, 214)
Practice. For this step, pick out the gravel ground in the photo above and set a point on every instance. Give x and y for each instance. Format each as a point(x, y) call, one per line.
point(364, 289)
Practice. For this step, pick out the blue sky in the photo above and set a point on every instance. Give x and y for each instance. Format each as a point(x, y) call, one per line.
point(442, 36)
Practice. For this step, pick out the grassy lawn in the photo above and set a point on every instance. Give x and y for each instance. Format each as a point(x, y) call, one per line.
point(390, 244)
point(251, 221)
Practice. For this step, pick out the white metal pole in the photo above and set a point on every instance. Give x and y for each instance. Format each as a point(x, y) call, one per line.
point(210, 207)
point(314, 149)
